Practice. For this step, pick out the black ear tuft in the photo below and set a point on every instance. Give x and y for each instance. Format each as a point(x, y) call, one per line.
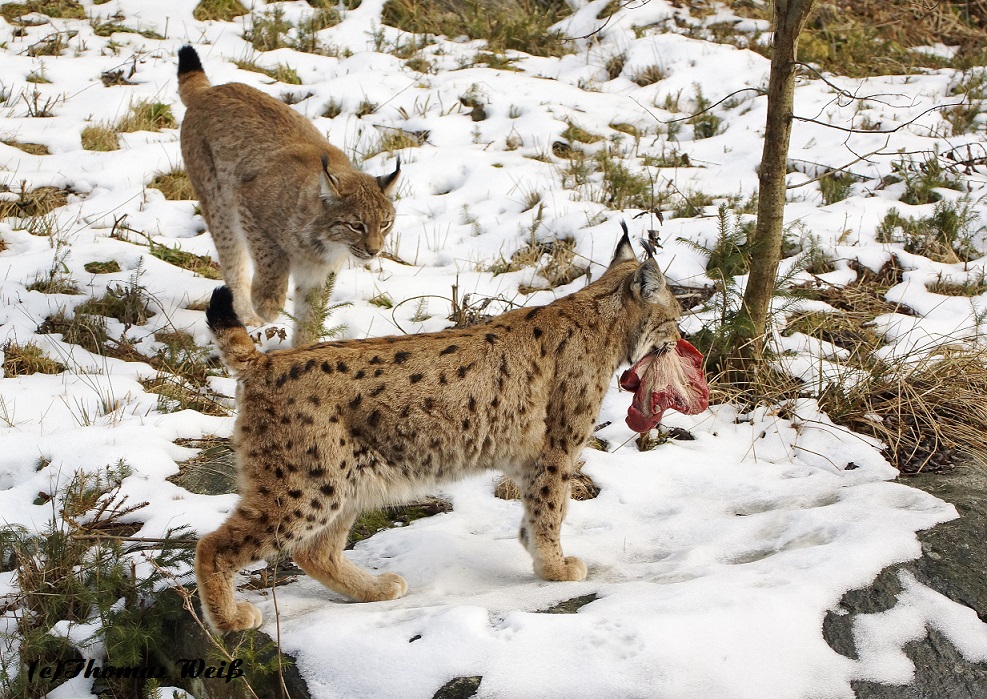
point(386, 182)
point(624, 250)
point(220, 314)
point(188, 60)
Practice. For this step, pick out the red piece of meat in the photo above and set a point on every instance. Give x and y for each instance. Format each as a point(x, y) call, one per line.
point(662, 381)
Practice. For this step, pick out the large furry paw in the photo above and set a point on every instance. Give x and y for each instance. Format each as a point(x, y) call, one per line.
point(386, 586)
point(571, 569)
point(268, 312)
point(247, 617)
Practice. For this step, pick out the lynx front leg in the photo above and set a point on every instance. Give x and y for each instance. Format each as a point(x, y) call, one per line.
point(225, 225)
point(545, 490)
point(270, 286)
point(322, 558)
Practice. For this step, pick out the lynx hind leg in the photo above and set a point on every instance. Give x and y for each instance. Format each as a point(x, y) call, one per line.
point(218, 556)
point(545, 491)
point(323, 559)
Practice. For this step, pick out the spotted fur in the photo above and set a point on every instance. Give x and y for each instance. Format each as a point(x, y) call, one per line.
point(329, 430)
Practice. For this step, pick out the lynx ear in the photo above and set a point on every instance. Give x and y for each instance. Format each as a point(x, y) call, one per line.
point(386, 182)
point(648, 281)
point(328, 183)
point(624, 251)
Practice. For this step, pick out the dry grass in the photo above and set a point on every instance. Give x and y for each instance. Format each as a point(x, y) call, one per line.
point(558, 263)
point(21, 360)
point(973, 286)
point(100, 137)
point(583, 487)
point(175, 185)
point(282, 73)
point(219, 10)
point(928, 414)
point(34, 203)
point(30, 148)
point(108, 267)
point(872, 37)
point(519, 25)
point(147, 115)
point(58, 9)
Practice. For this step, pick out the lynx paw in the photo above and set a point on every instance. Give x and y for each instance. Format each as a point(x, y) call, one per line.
point(268, 312)
point(571, 569)
point(386, 586)
point(247, 617)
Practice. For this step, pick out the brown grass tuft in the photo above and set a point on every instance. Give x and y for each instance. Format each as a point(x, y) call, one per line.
point(100, 137)
point(21, 360)
point(175, 185)
point(583, 487)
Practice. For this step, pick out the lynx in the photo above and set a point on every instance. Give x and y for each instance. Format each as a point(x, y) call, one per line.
point(329, 430)
point(271, 188)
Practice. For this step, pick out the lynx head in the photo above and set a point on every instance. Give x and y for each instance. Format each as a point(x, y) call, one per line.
point(651, 311)
point(357, 211)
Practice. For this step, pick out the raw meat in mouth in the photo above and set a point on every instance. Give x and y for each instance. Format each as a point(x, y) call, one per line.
point(664, 380)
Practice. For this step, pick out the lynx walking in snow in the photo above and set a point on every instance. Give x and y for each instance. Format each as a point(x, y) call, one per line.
point(329, 430)
point(273, 189)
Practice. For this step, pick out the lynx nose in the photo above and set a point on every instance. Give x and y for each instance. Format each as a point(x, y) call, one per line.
point(372, 250)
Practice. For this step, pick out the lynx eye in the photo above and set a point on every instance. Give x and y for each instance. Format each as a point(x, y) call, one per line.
point(357, 227)
point(386, 226)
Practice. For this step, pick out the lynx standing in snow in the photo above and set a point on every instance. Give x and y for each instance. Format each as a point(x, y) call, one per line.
point(329, 430)
point(273, 189)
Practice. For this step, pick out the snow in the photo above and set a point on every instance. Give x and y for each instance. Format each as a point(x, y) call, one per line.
point(714, 561)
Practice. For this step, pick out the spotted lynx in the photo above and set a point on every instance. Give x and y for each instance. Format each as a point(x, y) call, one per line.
point(332, 429)
point(271, 188)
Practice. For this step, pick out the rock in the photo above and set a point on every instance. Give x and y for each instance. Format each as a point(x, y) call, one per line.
point(953, 562)
point(459, 688)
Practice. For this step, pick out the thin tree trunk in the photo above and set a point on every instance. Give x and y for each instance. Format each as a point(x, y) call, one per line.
point(790, 17)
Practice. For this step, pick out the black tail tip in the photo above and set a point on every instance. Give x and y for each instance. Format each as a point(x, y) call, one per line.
point(220, 314)
point(188, 60)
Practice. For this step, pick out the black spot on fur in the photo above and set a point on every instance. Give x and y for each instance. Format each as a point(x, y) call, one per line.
point(328, 489)
point(429, 403)
point(355, 403)
point(495, 403)
point(313, 451)
point(377, 390)
point(537, 332)
point(401, 357)
point(442, 378)
point(552, 469)
point(378, 372)
point(532, 313)
point(450, 349)
point(281, 380)
point(491, 338)
point(415, 378)
point(373, 419)
point(341, 367)
point(279, 473)
point(295, 372)
point(472, 404)
point(327, 367)
point(466, 423)
point(294, 494)
point(360, 374)
point(376, 360)
point(462, 371)
point(316, 505)
point(316, 472)
point(315, 400)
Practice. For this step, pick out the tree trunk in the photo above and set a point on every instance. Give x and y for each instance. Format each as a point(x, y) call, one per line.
point(765, 247)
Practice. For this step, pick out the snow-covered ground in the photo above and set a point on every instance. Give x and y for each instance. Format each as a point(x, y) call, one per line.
point(714, 560)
